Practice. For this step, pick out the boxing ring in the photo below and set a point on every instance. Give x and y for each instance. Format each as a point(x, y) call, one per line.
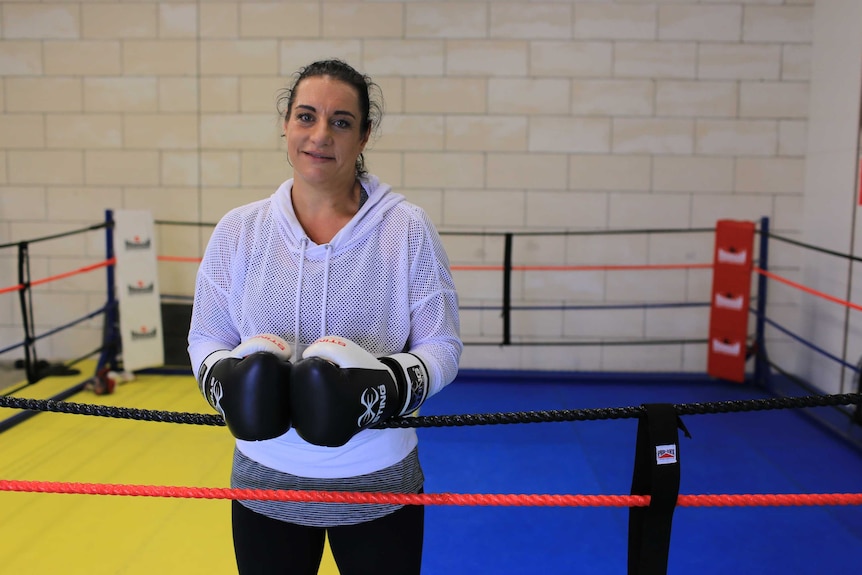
point(528, 471)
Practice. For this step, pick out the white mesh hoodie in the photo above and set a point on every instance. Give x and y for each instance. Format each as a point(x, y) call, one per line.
point(383, 282)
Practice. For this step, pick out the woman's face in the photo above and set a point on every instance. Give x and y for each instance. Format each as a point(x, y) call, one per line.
point(324, 132)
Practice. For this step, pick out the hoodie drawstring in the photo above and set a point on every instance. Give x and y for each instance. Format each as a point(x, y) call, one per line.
point(325, 291)
point(298, 308)
point(298, 305)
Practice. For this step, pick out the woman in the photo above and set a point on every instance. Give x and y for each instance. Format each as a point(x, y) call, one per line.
point(334, 260)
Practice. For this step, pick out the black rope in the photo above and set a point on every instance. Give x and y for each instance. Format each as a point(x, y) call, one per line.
point(736, 406)
point(615, 232)
point(110, 411)
point(568, 307)
point(550, 416)
point(484, 233)
point(56, 236)
point(176, 223)
point(815, 248)
point(733, 406)
point(592, 343)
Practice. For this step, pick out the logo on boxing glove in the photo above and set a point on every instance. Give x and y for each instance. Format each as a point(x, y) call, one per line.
point(417, 378)
point(418, 388)
point(374, 401)
point(215, 394)
point(276, 341)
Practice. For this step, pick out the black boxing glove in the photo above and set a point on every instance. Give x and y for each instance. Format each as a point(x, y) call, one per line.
point(338, 389)
point(249, 387)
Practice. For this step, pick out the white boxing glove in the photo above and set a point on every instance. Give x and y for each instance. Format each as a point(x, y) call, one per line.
point(249, 386)
point(339, 389)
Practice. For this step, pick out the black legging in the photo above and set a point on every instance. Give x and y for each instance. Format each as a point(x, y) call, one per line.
point(389, 545)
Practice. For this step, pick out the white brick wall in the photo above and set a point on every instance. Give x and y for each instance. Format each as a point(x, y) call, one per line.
point(516, 115)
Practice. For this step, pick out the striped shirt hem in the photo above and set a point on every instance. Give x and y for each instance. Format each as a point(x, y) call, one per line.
point(403, 477)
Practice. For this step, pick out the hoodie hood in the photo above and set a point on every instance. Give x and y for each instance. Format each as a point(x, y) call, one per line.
point(380, 200)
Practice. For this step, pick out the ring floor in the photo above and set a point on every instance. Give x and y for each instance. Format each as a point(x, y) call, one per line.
point(781, 451)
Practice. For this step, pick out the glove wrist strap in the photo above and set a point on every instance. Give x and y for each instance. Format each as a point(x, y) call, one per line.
point(412, 377)
point(206, 368)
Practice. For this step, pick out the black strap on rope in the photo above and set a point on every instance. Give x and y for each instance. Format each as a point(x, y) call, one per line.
point(656, 473)
point(857, 380)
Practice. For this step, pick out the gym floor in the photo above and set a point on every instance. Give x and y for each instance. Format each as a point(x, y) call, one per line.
point(781, 451)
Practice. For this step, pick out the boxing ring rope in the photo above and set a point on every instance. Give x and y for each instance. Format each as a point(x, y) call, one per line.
point(467, 499)
point(507, 268)
point(808, 290)
point(109, 347)
point(460, 420)
point(26, 284)
point(645, 414)
point(762, 362)
point(24, 289)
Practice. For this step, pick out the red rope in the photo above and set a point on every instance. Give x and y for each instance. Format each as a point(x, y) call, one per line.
point(809, 290)
point(18, 287)
point(483, 499)
point(61, 276)
point(183, 259)
point(770, 500)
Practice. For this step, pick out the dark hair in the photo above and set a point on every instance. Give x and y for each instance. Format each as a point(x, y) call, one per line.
point(370, 95)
